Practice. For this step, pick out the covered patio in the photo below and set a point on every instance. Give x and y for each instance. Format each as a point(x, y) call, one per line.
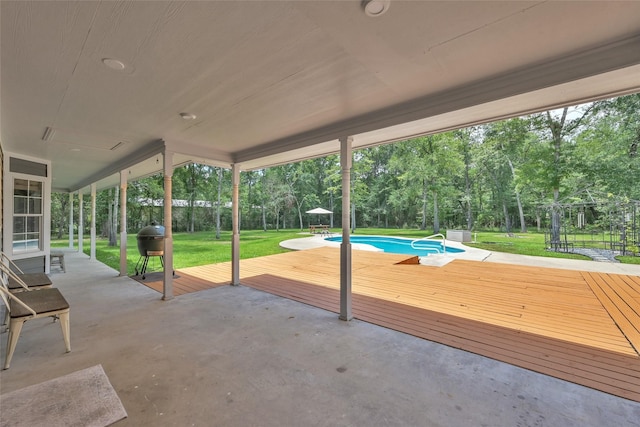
point(98, 94)
point(581, 326)
point(234, 356)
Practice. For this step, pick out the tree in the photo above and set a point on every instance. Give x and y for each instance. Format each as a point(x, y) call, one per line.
point(379, 180)
point(191, 180)
point(427, 166)
point(59, 213)
point(559, 126)
point(606, 151)
point(510, 140)
point(219, 203)
point(331, 182)
point(113, 218)
point(466, 142)
point(276, 194)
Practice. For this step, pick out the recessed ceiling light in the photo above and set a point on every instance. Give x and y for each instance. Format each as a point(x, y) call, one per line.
point(375, 8)
point(114, 64)
point(75, 150)
point(187, 116)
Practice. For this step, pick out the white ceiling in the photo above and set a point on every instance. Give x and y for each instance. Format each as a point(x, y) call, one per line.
point(277, 81)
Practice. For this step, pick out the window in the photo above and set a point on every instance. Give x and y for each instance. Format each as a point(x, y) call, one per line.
point(27, 215)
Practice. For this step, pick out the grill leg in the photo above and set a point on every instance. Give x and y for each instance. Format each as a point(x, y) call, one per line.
point(144, 266)
point(138, 264)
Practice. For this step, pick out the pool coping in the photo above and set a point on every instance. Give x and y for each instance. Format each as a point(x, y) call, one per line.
point(475, 254)
point(317, 241)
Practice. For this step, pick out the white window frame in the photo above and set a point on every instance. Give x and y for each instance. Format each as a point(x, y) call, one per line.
point(8, 207)
point(29, 201)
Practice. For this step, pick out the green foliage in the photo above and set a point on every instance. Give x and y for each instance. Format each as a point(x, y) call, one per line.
point(629, 259)
point(501, 175)
point(192, 249)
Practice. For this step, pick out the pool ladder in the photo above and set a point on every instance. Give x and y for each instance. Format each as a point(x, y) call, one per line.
point(444, 243)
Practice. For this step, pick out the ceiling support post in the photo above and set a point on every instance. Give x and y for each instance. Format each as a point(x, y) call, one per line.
point(235, 217)
point(345, 246)
point(92, 251)
point(167, 287)
point(80, 222)
point(70, 220)
point(124, 174)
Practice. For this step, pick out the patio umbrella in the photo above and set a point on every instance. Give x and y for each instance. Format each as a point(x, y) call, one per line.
point(319, 211)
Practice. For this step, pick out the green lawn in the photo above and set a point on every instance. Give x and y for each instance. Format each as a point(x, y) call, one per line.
point(192, 249)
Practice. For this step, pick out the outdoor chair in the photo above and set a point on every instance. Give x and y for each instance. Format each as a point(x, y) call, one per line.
point(18, 281)
point(29, 305)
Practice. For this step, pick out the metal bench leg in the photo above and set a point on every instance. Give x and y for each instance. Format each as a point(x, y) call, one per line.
point(66, 331)
point(15, 327)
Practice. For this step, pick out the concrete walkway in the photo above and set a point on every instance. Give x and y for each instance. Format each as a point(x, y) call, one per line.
point(234, 356)
point(567, 264)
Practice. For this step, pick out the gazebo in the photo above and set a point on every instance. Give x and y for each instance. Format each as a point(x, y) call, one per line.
point(320, 227)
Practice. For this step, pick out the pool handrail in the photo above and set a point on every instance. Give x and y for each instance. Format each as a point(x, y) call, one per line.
point(444, 242)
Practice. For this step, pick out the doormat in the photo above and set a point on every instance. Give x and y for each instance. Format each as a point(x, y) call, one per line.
point(84, 399)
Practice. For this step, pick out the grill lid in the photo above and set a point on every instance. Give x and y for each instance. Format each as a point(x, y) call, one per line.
point(151, 231)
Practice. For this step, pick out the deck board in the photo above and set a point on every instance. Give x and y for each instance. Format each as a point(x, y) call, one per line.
point(577, 326)
point(619, 302)
point(183, 283)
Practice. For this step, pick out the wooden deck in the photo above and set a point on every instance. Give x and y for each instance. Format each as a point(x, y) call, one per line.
point(578, 326)
point(183, 283)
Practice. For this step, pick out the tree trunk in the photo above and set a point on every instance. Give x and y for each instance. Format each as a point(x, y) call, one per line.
point(436, 213)
point(507, 221)
point(523, 226)
point(264, 217)
point(192, 222)
point(423, 223)
point(113, 218)
point(467, 187)
point(62, 222)
point(218, 204)
point(331, 209)
point(556, 132)
point(555, 217)
point(299, 207)
point(353, 218)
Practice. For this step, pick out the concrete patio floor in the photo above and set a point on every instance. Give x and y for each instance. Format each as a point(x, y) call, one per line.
point(234, 356)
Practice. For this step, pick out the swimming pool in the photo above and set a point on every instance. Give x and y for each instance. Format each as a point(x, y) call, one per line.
point(400, 245)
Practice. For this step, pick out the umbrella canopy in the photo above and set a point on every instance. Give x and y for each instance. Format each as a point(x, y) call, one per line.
point(319, 211)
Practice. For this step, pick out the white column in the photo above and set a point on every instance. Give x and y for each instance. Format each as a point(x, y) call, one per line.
point(345, 246)
point(235, 225)
point(70, 220)
point(93, 221)
point(80, 222)
point(167, 288)
point(124, 174)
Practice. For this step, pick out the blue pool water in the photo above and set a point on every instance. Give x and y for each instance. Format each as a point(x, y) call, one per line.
point(399, 245)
